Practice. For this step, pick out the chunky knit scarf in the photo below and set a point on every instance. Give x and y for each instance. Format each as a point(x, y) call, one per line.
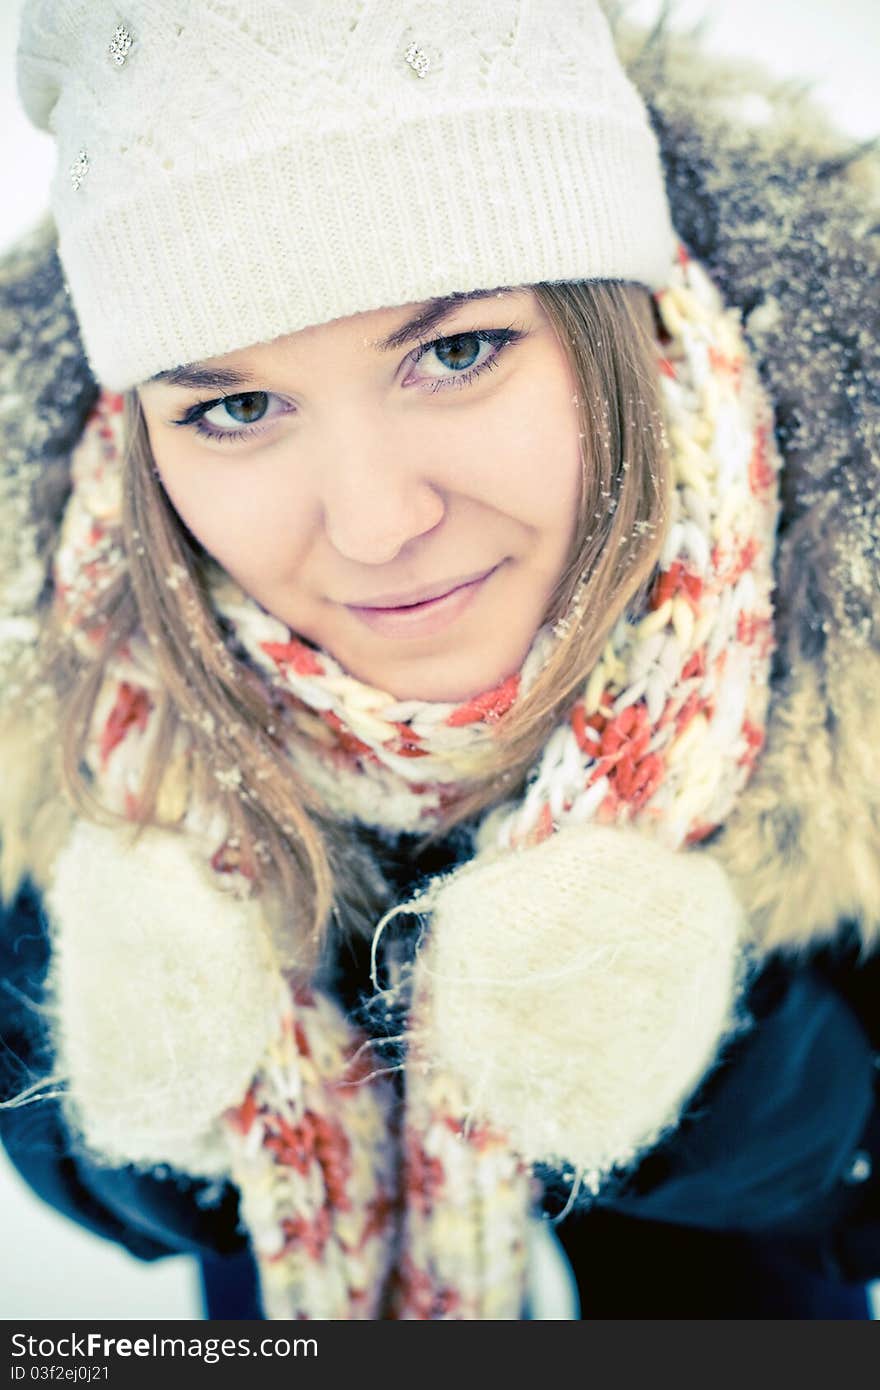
point(360, 1202)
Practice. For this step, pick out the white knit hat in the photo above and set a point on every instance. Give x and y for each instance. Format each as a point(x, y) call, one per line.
point(233, 170)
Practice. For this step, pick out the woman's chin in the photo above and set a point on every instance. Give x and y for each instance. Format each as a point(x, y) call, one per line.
point(435, 679)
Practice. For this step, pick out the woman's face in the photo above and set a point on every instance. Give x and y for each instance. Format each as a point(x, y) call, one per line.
point(373, 474)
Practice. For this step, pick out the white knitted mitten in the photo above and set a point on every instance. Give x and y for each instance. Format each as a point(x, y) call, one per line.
point(579, 989)
point(162, 997)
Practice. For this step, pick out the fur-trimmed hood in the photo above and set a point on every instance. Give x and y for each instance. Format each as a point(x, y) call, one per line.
point(784, 214)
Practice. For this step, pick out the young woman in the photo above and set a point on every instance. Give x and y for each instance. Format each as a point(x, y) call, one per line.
point(440, 784)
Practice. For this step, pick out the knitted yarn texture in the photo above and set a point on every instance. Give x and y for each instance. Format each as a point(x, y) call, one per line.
point(359, 1205)
point(441, 147)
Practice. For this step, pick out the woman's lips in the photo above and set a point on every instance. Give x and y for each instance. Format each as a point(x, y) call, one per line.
point(422, 619)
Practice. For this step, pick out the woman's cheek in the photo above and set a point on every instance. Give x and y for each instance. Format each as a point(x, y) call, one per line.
point(224, 505)
point(543, 476)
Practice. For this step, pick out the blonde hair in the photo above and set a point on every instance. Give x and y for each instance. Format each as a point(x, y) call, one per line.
point(283, 833)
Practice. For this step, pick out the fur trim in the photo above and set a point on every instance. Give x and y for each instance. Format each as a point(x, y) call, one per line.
point(783, 211)
point(804, 849)
point(46, 391)
point(578, 990)
point(152, 1066)
point(35, 817)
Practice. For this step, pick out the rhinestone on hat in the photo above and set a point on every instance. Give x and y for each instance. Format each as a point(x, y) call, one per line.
point(418, 59)
point(78, 169)
point(120, 45)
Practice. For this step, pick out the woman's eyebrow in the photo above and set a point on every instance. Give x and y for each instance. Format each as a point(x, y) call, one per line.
point(432, 313)
point(202, 377)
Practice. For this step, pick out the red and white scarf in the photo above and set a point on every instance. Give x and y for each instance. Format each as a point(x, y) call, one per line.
point(358, 1203)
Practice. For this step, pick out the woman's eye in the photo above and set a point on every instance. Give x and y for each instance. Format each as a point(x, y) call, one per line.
point(459, 358)
point(246, 410)
point(461, 355)
point(250, 410)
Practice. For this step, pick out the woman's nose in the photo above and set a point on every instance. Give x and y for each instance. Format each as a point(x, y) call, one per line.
point(374, 505)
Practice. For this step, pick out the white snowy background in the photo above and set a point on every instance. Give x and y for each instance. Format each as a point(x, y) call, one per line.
point(50, 1267)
